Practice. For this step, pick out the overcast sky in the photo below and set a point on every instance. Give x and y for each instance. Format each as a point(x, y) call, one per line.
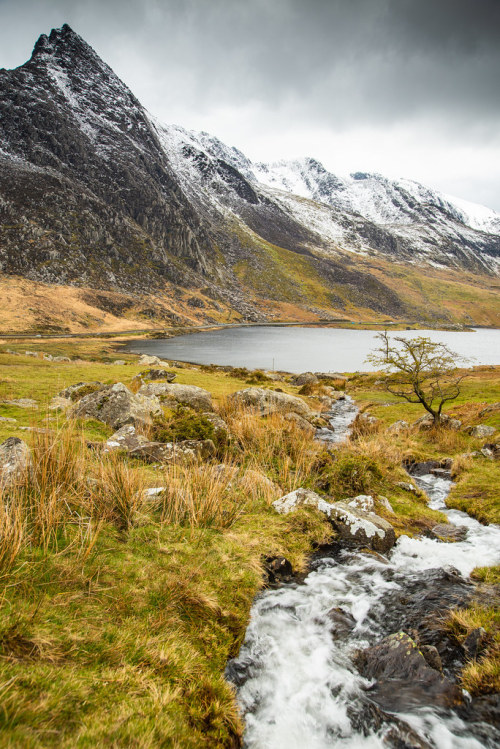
point(407, 88)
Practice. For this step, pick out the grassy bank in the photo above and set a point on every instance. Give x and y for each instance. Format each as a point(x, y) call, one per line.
point(119, 611)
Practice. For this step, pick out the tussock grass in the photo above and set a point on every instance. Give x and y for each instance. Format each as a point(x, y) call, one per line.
point(481, 675)
point(201, 496)
point(117, 492)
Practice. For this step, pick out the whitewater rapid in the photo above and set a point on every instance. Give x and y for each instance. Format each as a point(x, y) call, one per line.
point(297, 684)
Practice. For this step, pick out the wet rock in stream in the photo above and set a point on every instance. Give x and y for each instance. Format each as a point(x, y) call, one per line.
point(404, 677)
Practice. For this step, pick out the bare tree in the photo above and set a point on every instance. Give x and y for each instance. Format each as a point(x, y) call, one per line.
point(419, 370)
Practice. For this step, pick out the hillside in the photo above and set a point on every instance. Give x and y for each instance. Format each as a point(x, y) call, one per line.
point(97, 196)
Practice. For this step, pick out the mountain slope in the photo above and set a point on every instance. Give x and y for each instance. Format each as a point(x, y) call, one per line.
point(95, 193)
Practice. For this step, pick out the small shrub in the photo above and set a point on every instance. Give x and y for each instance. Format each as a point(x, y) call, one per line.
point(350, 474)
point(257, 377)
point(77, 395)
point(183, 424)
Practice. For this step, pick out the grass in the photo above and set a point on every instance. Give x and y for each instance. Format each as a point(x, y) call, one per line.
point(481, 675)
point(118, 611)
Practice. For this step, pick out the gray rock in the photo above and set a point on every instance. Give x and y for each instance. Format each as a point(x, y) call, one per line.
point(48, 357)
point(59, 403)
point(403, 675)
point(119, 362)
point(126, 438)
point(398, 427)
point(298, 498)
point(117, 406)
point(187, 395)
point(385, 503)
point(220, 426)
point(14, 460)
point(353, 525)
point(481, 430)
point(408, 487)
point(22, 403)
point(270, 401)
point(492, 408)
point(299, 420)
point(364, 502)
point(306, 378)
point(7, 420)
point(149, 361)
point(167, 452)
point(362, 528)
point(61, 359)
point(427, 422)
point(448, 532)
point(158, 374)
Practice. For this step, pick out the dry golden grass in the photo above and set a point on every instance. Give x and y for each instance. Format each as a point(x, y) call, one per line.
point(481, 675)
point(117, 492)
point(201, 496)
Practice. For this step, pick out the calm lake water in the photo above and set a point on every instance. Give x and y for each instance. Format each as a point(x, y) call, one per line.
point(305, 349)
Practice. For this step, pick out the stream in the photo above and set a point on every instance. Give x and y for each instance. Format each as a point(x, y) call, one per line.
point(297, 684)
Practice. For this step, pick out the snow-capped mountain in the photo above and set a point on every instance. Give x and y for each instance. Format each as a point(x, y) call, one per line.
point(95, 192)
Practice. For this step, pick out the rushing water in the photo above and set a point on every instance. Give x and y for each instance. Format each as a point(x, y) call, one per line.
point(305, 349)
point(297, 684)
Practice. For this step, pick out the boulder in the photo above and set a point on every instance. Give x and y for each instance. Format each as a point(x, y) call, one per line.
point(126, 438)
point(299, 420)
point(119, 362)
point(408, 487)
point(481, 431)
point(364, 502)
point(61, 359)
point(219, 425)
point(149, 361)
point(491, 450)
point(187, 395)
point(117, 405)
point(362, 528)
point(270, 401)
point(398, 427)
point(306, 378)
point(342, 622)
point(492, 408)
point(298, 498)
point(404, 676)
point(14, 460)
point(448, 532)
point(59, 403)
point(427, 422)
point(158, 374)
point(167, 452)
point(353, 525)
point(277, 570)
point(22, 403)
point(385, 503)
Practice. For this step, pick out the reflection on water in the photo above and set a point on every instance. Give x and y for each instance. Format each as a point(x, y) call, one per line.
point(305, 349)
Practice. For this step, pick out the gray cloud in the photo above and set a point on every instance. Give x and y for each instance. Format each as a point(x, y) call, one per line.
point(427, 70)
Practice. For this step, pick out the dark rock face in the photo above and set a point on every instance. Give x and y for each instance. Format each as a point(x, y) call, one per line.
point(92, 189)
point(403, 676)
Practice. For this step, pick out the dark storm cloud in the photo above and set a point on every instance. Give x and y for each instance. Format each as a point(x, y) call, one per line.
point(430, 65)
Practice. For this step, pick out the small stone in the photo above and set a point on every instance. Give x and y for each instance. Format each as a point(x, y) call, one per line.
point(448, 532)
point(22, 403)
point(398, 427)
point(385, 503)
point(119, 362)
point(481, 431)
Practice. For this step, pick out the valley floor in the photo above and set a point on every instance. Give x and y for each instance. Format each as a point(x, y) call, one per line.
point(119, 611)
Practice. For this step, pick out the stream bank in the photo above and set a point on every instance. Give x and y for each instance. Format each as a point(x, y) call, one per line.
point(315, 669)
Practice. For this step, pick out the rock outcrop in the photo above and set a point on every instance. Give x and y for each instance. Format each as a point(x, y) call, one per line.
point(173, 394)
point(116, 405)
point(14, 460)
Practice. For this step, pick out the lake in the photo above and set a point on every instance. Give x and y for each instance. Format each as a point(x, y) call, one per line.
point(295, 349)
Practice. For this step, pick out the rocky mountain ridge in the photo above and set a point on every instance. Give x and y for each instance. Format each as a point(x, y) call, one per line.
point(95, 193)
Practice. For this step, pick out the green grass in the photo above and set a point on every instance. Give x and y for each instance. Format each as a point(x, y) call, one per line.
point(117, 617)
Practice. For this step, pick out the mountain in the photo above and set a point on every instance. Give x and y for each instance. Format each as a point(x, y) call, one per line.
point(148, 221)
